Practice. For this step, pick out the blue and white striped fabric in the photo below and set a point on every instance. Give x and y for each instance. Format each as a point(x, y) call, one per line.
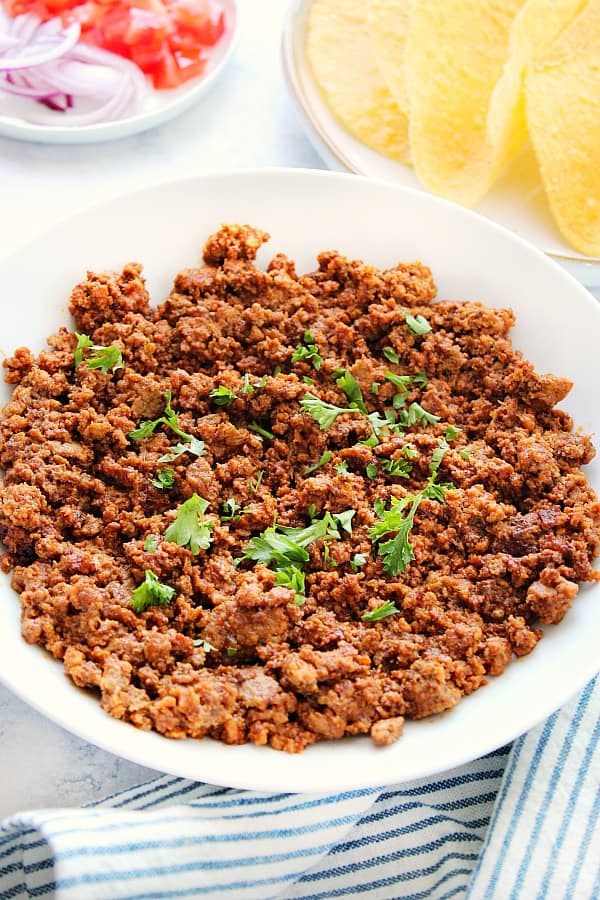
point(519, 823)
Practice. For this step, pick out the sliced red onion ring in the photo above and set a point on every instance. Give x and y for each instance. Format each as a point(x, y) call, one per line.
point(45, 62)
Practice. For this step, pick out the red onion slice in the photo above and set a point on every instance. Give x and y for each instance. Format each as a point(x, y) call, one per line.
point(45, 62)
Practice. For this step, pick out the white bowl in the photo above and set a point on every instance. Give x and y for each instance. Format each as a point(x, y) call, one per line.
point(156, 108)
point(517, 201)
point(558, 328)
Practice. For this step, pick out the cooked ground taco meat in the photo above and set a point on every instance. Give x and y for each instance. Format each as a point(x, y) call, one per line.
point(435, 520)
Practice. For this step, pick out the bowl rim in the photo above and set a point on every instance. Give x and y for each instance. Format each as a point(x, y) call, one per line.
point(241, 776)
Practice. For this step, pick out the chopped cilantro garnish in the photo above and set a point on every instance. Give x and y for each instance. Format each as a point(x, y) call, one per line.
point(222, 396)
point(190, 528)
point(358, 561)
point(231, 510)
point(418, 325)
point(255, 483)
point(308, 351)
point(409, 451)
point(307, 379)
point(276, 371)
point(400, 381)
point(204, 644)
point(194, 446)
point(230, 651)
point(386, 609)
point(169, 417)
point(420, 379)
point(247, 387)
point(325, 458)
point(293, 578)
point(375, 387)
point(371, 470)
point(344, 519)
point(107, 359)
point(258, 429)
point(451, 432)
point(348, 383)
point(399, 400)
point(391, 354)
point(165, 479)
point(151, 593)
point(464, 454)
point(372, 440)
point(398, 551)
point(415, 413)
point(281, 547)
point(342, 467)
point(322, 412)
point(399, 468)
point(151, 543)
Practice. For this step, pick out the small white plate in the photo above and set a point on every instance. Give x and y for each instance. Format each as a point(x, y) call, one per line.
point(517, 201)
point(156, 107)
point(164, 227)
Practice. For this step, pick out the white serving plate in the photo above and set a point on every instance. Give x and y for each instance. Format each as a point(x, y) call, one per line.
point(517, 201)
point(558, 328)
point(156, 108)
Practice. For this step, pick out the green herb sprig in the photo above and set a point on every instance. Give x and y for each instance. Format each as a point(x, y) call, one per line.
point(308, 351)
point(151, 592)
point(190, 528)
point(107, 359)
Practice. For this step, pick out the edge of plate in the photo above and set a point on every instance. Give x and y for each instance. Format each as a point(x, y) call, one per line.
point(332, 153)
point(20, 130)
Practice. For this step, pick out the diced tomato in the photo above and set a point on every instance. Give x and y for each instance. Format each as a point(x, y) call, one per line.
point(167, 39)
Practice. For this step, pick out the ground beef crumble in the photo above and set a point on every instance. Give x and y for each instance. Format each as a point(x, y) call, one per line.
point(234, 655)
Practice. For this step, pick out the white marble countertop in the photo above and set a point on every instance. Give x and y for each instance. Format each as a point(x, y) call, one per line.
point(247, 121)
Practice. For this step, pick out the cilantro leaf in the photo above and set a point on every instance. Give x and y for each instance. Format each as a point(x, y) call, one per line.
point(293, 578)
point(400, 381)
point(169, 418)
point(258, 429)
point(381, 612)
point(255, 483)
point(194, 446)
point(151, 543)
point(420, 379)
point(348, 383)
point(231, 510)
point(322, 412)
point(107, 359)
point(342, 467)
point(273, 548)
point(247, 388)
point(83, 342)
point(398, 551)
point(391, 354)
point(204, 644)
point(344, 519)
point(308, 351)
point(165, 479)
point(451, 432)
point(325, 458)
point(418, 325)
point(190, 529)
point(222, 396)
point(398, 468)
point(151, 593)
point(358, 561)
point(371, 470)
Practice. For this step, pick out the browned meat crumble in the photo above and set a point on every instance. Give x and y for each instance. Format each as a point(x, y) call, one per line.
point(234, 654)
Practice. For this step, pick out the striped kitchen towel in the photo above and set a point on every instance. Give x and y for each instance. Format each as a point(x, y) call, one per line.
point(520, 823)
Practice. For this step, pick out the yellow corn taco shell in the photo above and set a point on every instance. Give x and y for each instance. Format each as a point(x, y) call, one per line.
point(341, 56)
